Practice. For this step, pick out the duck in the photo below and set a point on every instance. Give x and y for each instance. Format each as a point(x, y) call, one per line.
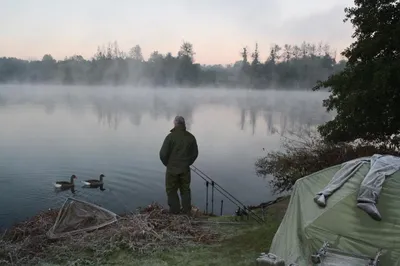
point(94, 182)
point(65, 184)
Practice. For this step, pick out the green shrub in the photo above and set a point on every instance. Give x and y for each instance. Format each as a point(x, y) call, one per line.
point(309, 153)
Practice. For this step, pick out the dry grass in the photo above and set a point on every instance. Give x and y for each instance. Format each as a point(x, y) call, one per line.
point(151, 229)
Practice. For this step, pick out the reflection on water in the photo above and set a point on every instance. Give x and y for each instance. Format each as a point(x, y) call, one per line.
point(283, 112)
point(99, 187)
point(51, 132)
point(63, 190)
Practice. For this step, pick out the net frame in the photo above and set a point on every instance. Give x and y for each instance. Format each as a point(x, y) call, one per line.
point(61, 214)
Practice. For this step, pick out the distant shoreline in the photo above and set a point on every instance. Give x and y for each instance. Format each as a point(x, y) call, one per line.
point(147, 87)
point(289, 66)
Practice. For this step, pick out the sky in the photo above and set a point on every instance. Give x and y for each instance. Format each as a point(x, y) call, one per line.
point(218, 29)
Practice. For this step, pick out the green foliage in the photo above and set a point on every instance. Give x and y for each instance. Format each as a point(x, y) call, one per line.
point(307, 154)
point(293, 66)
point(366, 92)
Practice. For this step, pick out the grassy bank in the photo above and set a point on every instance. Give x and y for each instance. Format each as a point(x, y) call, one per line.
point(239, 244)
point(167, 240)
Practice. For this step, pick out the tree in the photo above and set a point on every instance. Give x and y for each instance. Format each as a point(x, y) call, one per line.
point(287, 53)
point(100, 54)
point(109, 65)
point(255, 56)
point(156, 69)
point(186, 50)
point(68, 79)
point(245, 55)
point(48, 59)
point(255, 68)
point(187, 72)
point(136, 53)
point(274, 53)
point(366, 93)
point(244, 68)
point(155, 57)
point(245, 63)
point(48, 68)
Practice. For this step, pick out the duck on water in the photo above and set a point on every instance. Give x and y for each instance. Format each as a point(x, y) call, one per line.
point(94, 182)
point(65, 184)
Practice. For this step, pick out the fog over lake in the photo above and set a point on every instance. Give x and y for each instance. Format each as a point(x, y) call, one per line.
point(48, 133)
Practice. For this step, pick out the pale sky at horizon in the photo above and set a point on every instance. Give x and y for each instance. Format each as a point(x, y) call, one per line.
point(218, 29)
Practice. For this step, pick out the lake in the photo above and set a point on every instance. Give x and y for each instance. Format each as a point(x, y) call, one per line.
point(48, 133)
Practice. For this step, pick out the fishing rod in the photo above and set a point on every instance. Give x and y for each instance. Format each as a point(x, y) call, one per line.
point(225, 193)
point(231, 198)
point(212, 198)
point(207, 197)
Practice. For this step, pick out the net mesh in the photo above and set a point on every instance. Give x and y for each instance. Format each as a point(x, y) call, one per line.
point(77, 216)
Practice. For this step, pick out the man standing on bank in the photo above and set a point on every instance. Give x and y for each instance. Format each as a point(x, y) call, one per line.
point(178, 153)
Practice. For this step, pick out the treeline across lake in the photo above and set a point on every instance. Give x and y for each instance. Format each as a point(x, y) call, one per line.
point(287, 66)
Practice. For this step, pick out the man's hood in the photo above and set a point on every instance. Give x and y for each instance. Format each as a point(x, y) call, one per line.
point(178, 127)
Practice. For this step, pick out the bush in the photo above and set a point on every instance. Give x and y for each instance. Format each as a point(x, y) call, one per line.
point(309, 153)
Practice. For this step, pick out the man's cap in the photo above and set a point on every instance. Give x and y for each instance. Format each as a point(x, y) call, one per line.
point(179, 120)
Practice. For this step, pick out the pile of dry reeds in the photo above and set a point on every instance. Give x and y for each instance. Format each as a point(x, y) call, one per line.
point(151, 229)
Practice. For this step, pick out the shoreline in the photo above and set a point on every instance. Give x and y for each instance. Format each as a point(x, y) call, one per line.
point(175, 233)
point(53, 212)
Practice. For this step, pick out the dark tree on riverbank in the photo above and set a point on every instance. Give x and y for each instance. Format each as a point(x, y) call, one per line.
point(366, 94)
point(290, 66)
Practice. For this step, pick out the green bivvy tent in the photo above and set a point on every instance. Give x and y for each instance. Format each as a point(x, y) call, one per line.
point(306, 226)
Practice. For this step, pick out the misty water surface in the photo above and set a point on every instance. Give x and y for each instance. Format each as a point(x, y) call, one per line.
point(49, 133)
